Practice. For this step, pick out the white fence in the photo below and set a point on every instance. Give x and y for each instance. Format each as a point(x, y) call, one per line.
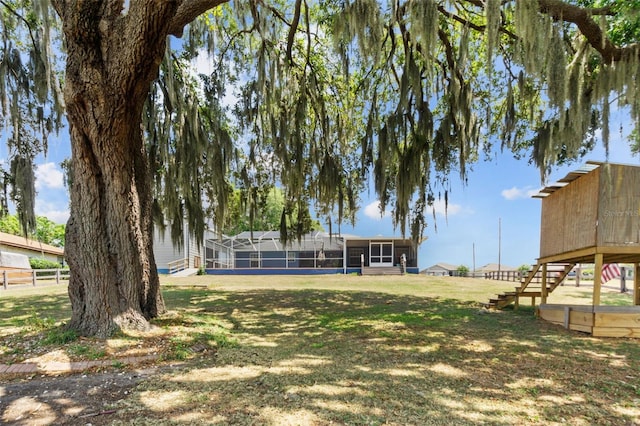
point(33, 277)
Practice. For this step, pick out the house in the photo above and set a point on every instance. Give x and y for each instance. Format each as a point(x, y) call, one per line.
point(440, 270)
point(188, 255)
point(31, 248)
point(314, 253)
point(494, 267)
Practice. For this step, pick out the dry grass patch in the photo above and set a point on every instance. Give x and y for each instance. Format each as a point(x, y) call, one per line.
point(356, 351)
point(355, 357)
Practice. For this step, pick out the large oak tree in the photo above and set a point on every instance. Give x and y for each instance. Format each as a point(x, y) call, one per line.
point(330, 94)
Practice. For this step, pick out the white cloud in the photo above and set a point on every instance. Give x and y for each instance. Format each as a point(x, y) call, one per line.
point(52, 211)
point(49, 176)
point(449, 210)
point(57, 216)
point(517, 193)
point(372, 210)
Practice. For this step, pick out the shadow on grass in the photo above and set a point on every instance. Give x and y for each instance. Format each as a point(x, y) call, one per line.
point(323, 357)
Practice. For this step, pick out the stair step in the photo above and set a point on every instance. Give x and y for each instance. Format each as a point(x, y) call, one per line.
point(531, 285)
point(391, 270)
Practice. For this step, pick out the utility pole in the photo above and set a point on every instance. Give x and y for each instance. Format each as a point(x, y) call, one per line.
point(499, 242)
point(474, 260)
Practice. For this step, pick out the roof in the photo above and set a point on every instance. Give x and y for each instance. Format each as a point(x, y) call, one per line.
point(270, 241)
point(27, 244)
point(442, 266)
point(316, 240)
point(492, 267)
point(586, 168)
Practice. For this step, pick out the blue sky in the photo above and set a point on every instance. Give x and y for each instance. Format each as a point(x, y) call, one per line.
point(498, 195)
point(497, 191)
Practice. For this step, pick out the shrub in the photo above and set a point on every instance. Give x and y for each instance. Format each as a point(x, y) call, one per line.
point(462, 271)
point(40, 263)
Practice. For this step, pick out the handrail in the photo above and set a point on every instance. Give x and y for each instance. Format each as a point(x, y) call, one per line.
point(177, 265)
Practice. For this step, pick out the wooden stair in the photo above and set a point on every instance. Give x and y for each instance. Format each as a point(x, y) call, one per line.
point(532, 285)
point(388, 270)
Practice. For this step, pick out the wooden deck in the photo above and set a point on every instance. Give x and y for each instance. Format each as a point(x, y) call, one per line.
point(599, 321)
point(595, 319)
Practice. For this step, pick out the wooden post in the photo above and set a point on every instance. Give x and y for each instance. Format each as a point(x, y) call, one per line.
point(5, 282)
point(636, 284)
point(57, 276)
point(543, 285)
point(597, 279)
point(33, 277)
point(578, 274)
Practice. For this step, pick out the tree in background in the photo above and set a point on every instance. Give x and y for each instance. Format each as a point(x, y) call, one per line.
point(462, 271)
point(46, 231)
point(49, 232)
point(269, 213)
point(10, 224)
point(330, 94)
point(524, 269)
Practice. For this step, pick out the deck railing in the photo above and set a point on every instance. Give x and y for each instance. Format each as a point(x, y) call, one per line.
point(178, 265)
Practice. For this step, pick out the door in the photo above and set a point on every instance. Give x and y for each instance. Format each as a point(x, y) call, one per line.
point(380, 254)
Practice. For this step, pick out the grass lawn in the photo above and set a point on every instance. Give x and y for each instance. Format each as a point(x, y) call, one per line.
point(320, 350)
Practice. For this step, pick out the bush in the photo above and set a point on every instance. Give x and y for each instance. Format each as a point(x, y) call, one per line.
point(462, 271)
point(40, 263)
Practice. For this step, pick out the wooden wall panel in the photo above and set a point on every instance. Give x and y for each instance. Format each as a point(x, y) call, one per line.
point(552, 225)
point(569, 217)
point(619, 206)
point(581, 212)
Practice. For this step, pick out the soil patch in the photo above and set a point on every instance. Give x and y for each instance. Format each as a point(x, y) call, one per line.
point(68, 399)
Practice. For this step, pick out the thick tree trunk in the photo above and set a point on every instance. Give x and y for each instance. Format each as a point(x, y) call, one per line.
point(114, 50)
point(114, 283)
point(112, 60)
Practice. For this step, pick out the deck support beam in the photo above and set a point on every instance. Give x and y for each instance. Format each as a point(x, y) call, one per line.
point(636, 284)
point(597, 279)
point(543, 285)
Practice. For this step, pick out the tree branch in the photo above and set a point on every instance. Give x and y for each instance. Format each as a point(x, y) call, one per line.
point(20, 17)
point(465, 22)
point(188, 10)
point(292, 30)
point(582, 18)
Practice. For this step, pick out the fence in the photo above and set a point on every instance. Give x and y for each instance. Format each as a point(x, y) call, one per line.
point(504, 275)
point(34, 276)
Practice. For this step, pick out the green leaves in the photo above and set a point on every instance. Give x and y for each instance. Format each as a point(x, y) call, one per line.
point(321, 97)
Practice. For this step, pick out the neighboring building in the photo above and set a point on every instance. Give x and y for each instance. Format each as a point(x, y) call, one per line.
point(189, 254)
point(21, 245)
point(314, 253)
point(440, 270)
point(498, 272)
point(494, 267)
